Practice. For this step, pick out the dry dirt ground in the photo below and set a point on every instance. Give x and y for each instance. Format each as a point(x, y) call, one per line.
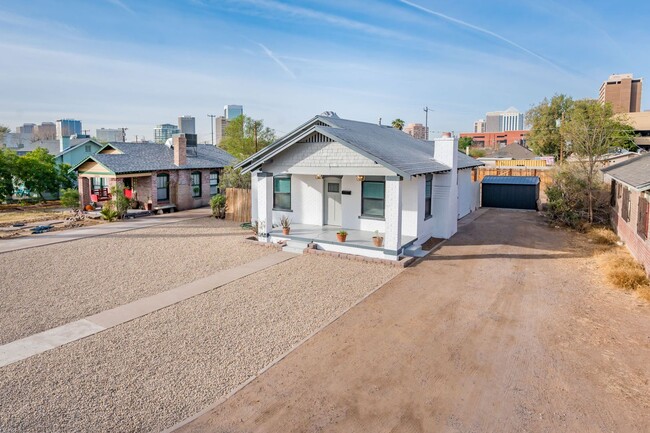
point(507, 328)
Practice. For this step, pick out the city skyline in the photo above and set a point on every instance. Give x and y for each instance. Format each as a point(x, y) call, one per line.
point(363, 60)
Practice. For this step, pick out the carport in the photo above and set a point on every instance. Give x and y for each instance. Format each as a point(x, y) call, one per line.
point(513, 192)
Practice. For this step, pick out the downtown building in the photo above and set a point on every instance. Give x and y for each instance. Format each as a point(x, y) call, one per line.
point(417, 130)
point(187, 124)
point(502, 121)
point(623, 91)
point(111, 135)
point(67, 128)
point(230, 112)
point(163, 132)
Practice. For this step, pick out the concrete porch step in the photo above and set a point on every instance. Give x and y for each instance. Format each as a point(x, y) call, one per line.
point(296, 247)
point(414, 251)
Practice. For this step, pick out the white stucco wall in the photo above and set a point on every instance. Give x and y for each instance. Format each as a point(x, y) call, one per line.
point(466, 201)
point(306, 201)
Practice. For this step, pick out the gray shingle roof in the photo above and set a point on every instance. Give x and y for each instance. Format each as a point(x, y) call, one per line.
point(141, 157)
point(388, 146)
point(514, 151)
point(634, 172)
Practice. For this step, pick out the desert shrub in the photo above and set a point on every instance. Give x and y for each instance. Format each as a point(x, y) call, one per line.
point(568, 199)
point(70, 198)
point(603, 236)
point(476, 153)
point(623, 271)
point(218, 206)
point(109, 213)
point(117, 206)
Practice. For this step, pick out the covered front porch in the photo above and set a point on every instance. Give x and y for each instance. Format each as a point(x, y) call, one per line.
point(357, 241)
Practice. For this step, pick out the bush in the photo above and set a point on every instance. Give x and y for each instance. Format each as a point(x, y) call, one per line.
point(218, 205)
point(232, 178)
point(109, 213)
point(70, 198)
point(568, 199)
point(623, 271)
point(117, 206)
point(603, 236)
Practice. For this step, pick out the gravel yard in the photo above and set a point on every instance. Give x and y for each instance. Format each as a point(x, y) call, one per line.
point(52, 285)
point(152, 372)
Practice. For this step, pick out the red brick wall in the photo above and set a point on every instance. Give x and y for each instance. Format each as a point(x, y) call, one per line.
point(626, 230)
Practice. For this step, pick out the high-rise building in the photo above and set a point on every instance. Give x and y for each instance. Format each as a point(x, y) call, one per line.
point(187, 124)
point(164, 131)
point(417, 130)
point(479, 126)
point(26, 128)
point(111, 135)
point(623, 91)
point(501, 121)
point(232, 111)
point(220, 125)
point(45, 131)
point(67, 127)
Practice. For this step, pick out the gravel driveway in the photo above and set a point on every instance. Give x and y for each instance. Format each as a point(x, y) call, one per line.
point(52, 285)
point(152, 372)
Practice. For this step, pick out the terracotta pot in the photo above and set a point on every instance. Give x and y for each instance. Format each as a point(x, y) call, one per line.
point(89, 207)
point(340, 237)
point(378, 241)
point(286, 230)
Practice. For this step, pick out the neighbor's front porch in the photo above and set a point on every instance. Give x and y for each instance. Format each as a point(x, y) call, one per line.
point(357, 241)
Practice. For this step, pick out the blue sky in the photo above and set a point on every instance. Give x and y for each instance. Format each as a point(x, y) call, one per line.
point(127, 63)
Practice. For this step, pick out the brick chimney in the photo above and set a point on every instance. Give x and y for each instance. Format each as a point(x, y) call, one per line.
point(180, 149)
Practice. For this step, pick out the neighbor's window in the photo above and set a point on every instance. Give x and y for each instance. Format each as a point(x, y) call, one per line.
point(642, 222)
point(98, 182)
point(612, 194)
point(214, 182)
point(427, 195)
point(196, 184)
point(162, 187)
point(626, 204)
point(282, 193)
point(372, 198)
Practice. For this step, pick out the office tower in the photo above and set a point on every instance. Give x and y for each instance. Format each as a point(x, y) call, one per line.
point(623, 91)
point(220, 125)
point(164, 131)
point(501, 121)
point(67, 127)
point(45, 131)
point(187, 124)
point(26, 128)
point(111, 134)
point(417, 130)
point(232, 111)
point(479, 126)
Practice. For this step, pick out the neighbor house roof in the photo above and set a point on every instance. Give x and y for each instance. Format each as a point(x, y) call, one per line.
point(385, 145)
point(514, 151)
point(143, 157)
point(78, 143)
point(634, 172)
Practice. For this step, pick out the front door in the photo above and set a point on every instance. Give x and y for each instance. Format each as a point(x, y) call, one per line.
point(333, 202)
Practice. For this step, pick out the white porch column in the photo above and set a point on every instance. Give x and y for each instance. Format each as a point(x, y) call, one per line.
point(264, 204)
point(393, 215)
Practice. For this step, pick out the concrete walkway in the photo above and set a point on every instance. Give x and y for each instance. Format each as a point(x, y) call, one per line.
point(55, 337)
point(7, 245)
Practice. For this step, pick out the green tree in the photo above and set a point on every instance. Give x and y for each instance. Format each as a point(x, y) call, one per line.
point(39, 173)
point(244, 136)
point(544, 120)
point(591, 132)
point(398, 124)
point(70, 198)
point(8, 160)
point(464, 143)
point(3, 130)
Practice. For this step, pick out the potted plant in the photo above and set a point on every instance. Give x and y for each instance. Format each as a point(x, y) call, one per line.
point(285, 222)
point(378, 240)
point(341, 235)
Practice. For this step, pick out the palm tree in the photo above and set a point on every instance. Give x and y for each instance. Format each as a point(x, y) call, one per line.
point(398, 124)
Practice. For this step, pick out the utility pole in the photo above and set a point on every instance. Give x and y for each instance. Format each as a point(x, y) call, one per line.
point(124, 135)
point(212, 116)
point(255, 134)
point(426, 122)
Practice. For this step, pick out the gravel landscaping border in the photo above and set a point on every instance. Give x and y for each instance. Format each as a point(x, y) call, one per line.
point(52, 285)
point(153, 372)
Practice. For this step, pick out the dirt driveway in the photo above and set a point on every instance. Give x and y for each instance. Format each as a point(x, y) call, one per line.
point(504, 329)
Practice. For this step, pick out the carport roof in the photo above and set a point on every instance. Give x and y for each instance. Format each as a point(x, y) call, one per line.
point(511, 180)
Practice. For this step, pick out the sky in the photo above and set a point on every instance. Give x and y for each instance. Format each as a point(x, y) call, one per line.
point(135, 64)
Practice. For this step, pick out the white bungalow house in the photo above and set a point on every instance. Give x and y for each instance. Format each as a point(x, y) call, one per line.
point(331, 174)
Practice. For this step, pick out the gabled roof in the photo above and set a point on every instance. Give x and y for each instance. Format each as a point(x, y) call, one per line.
point(392, 148)
point(633, 172)
point(514, 151)
point(143, 157)
point(79, 144)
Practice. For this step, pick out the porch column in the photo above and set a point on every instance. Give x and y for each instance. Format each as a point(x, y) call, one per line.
point(84, 191)
point(393, 215)
point(264, 204)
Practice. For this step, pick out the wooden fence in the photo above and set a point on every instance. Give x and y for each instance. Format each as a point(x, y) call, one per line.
point(238, 202)
point(521, 163)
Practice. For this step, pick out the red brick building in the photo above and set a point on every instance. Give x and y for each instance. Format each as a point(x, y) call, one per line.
point(496, 140)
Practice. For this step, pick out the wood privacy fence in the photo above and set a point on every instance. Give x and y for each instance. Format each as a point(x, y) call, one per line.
point(238, 202)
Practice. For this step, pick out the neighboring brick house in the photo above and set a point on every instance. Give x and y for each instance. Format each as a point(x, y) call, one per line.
point(184, 176)
point(630, 195)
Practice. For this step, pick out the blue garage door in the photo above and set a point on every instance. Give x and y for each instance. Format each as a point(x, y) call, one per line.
point(512, 192)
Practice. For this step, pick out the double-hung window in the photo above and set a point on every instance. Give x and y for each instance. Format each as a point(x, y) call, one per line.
point(196, 184)
point(282, 192)
point(427, 196)
point(626, 205)
point(642, 220)
point(373, 198)
point(214, 182)
point(162, 187)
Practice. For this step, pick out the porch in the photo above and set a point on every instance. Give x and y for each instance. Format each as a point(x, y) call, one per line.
point(325, 238)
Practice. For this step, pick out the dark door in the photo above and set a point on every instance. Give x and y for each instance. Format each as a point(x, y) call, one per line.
point(510, 196)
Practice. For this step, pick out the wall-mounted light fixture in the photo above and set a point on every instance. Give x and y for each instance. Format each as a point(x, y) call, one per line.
point(319, 176)
point(361, 178)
